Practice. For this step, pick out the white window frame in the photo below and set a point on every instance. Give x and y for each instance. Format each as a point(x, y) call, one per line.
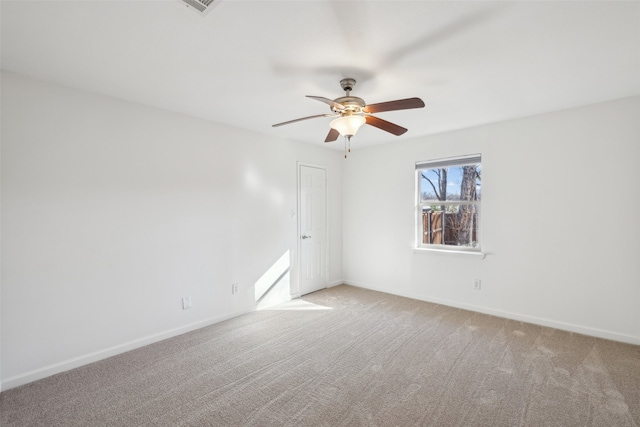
point(443, 163)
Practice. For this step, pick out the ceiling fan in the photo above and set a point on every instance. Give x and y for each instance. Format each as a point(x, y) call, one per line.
point(352, 112)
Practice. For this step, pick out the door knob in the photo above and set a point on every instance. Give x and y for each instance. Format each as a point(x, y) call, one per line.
point(304, 236)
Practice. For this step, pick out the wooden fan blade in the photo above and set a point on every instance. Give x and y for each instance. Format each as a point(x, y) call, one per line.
point(332, 136)
point(385, 125)
point(303, 118)
point(400, 104)
point(328, 101)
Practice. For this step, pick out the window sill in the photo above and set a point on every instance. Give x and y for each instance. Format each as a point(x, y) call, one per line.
point(470, 254)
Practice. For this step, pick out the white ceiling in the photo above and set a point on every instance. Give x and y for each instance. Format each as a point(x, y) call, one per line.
point(251, 63)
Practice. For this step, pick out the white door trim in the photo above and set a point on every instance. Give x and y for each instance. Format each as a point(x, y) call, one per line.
point(299, 166)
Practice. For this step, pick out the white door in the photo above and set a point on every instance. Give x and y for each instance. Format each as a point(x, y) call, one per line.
point(312, 196)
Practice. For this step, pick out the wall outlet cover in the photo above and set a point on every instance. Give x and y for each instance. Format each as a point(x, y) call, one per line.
point(186, 303)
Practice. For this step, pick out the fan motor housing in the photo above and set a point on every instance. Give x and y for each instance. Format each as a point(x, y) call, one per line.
point(350, 103)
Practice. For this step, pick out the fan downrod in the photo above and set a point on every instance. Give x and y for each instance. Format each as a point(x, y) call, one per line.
point(347, 85)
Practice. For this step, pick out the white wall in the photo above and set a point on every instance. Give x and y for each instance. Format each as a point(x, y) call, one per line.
point(560, 221)
point(112, 212)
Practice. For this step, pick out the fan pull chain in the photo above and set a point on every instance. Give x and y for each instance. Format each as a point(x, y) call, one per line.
point(347, 145)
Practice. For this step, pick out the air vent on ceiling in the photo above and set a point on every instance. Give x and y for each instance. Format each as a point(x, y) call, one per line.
point(201, 6)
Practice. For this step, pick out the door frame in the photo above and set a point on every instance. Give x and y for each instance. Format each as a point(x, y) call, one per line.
point(299, 166)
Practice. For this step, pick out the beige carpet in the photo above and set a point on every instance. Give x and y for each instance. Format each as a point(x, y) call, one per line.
point(348, 357)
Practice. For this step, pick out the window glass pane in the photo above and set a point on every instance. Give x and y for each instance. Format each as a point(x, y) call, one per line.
point(453, 225)
point(452, 183)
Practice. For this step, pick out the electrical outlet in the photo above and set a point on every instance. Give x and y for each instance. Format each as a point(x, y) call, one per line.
point(186, 303)
point(234, 288)
point(477, 284)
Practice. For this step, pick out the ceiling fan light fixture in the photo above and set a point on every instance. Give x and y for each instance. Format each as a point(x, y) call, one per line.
point(353, 112)
point(348, 125)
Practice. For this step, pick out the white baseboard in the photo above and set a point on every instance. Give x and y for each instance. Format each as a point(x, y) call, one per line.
point(329, 285)
point(584, 330)
point(76, 362)
point(335, 283)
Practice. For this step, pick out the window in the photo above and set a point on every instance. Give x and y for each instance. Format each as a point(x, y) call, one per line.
point(449, 194)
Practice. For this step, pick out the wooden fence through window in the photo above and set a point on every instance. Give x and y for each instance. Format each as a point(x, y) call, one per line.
point(435, 234)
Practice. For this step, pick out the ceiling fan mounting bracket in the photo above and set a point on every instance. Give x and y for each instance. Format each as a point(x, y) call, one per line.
point(347, 84)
